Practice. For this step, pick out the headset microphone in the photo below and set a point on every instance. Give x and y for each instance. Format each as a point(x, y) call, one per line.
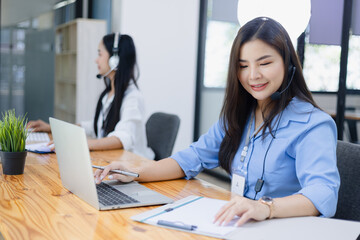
point(99, 76)
point(276, 95)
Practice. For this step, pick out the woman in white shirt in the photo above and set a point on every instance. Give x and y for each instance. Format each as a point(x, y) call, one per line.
point(119, 118)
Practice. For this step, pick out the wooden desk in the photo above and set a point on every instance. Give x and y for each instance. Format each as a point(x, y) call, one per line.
point(351, 115)
point(35, 205)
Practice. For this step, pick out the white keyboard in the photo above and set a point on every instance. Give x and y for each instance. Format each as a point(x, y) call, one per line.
point(37, 137)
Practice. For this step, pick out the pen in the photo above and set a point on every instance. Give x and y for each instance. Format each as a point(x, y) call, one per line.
point(118, 171)
point(177, 224)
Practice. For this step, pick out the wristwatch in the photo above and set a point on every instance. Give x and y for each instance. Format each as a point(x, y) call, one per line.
point(269, 202)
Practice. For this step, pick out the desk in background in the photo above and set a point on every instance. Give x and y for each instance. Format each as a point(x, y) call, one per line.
point(35, 205)
point(351, 115)
point(351, 118)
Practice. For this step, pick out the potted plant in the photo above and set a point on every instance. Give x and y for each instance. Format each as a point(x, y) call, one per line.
point(13, 134)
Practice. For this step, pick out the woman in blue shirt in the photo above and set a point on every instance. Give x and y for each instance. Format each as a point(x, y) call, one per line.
point(272, 138)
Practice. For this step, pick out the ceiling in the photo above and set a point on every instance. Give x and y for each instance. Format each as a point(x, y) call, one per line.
point(15, 11)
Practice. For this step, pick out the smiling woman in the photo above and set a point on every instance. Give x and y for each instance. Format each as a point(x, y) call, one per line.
point(261, 69)
point(259, 140)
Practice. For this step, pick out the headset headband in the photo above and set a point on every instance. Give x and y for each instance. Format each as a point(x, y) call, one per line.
point(116, 43)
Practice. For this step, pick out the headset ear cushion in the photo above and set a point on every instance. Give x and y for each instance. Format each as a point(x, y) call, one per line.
point(114, 62)
point(290, 69)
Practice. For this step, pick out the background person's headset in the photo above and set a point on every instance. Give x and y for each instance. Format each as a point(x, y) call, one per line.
point(114, 60)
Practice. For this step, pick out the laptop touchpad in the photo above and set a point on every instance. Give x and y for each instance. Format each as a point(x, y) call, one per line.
point(132, 189)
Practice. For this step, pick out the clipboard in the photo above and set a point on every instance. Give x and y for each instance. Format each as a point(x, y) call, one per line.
point(193, 214)
point(295, 228)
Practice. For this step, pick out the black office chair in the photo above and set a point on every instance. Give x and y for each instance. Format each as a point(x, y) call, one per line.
point(161, 131)
point(352, 130)
point(348, 162)
point(352, 135)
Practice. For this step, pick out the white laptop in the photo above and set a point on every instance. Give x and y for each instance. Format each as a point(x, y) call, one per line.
point(76, 173)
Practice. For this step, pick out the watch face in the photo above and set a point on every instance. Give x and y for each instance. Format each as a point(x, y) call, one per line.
point(266, 198)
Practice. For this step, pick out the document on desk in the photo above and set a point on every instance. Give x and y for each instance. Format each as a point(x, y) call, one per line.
point(39, 148)
point(37, 142)
point(194, 214)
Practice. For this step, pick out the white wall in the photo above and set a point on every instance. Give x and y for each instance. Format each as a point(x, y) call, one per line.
point(165, 33)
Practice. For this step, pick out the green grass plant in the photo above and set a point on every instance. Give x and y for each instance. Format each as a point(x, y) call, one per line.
point(13, 132)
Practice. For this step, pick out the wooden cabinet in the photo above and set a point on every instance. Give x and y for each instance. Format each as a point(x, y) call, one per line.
point(76, 87)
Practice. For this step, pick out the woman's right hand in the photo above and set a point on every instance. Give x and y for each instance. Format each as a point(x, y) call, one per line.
point(99, 174)
point(39, 126)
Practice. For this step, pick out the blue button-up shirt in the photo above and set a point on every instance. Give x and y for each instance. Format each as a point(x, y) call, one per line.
point(300, 160)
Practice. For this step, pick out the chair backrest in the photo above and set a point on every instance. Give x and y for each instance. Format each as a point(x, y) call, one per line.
point(352, 130)
point(348, 162)
point(161, 132)
point(352, 125)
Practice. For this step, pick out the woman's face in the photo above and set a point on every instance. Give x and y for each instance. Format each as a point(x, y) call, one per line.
point(102, 60)
point(261, 69)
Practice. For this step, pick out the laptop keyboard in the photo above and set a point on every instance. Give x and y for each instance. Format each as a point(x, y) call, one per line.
point(111, 196)
point(37, 137)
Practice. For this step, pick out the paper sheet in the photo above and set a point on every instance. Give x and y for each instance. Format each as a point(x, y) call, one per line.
point(200, 213)
point(39, 147)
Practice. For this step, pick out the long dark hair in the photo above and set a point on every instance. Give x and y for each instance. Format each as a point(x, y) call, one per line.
point(238, 103)
point(124, 74)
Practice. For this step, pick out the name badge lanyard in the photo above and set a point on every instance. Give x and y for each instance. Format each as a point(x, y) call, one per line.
point(240, 174)
point(248, 137)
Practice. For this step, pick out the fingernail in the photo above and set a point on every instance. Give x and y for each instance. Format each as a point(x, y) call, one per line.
point(102, 177)
point(110, 177)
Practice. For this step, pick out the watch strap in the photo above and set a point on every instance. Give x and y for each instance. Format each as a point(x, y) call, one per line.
point(270, 203)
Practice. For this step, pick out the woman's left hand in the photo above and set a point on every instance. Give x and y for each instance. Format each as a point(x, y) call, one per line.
point(244, 208)
point(51, 145)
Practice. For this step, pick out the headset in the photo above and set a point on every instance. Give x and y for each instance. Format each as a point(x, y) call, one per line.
point(114, 60)
point(291, 72)
point(275, 96)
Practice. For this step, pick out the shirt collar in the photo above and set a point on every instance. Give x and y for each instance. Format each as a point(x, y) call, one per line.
point(296, 111)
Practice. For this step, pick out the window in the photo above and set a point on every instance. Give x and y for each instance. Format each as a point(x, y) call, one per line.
point(353, 70)
point(219, 39)
point(322, 66)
